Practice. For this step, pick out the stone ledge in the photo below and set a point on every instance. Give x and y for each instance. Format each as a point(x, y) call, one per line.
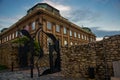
point(115, 78)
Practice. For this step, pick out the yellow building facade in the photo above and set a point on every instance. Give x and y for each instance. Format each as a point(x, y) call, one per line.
point(52, 22)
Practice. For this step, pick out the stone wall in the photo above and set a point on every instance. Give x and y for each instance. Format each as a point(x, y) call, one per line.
point(77, 59)
point(8, 54)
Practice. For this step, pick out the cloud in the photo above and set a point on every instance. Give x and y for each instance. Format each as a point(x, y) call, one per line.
point(99, 38)
point(8, 21)
point(85, 15)
point(57, 5)
point(101, 33)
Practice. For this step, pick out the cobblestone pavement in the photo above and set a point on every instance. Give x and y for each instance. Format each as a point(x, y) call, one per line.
point(25, 75)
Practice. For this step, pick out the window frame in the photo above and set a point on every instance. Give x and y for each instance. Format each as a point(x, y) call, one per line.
point(33, 25)
point(75, 34)
point(49, 25)
point(79, 35)
point(71, 33)
point(65, 30)
point(57, 28)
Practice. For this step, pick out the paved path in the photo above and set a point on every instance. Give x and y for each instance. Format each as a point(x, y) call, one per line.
point(25, 75)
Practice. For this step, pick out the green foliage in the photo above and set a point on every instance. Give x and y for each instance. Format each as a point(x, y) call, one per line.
point(24, 40)
point(3, 67)
point(37, 48)
point(21, 40)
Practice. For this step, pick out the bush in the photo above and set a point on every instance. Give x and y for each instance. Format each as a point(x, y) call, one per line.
point(3, 67)
point(23, 40)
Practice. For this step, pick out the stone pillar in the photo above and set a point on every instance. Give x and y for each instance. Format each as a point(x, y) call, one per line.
point(68, 35)
point(62, 40)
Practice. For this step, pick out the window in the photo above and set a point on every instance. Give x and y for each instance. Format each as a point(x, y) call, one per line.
point(70, 33)
point(7, 38)
point(57, 28)
point(82, 36)
point(78, 35)
point(10, 37)
point(71, 43)
point(75, 43)
point(16, 33)
point(65, 43)
point(13, 36)
point(33, 25)
point(91, 39)
point(49, 8)
point(65, 30)
point(75, 35)
point(49, 25)
point(85, 37)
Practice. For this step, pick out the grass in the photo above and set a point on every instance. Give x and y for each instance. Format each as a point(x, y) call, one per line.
point(3, 67)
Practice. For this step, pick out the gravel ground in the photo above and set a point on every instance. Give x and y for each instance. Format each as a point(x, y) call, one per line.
point(25, 75)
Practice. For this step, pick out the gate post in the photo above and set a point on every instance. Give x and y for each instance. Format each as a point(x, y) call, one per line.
point(51, 48)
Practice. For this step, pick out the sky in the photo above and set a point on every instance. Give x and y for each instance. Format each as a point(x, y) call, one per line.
point(101, 16)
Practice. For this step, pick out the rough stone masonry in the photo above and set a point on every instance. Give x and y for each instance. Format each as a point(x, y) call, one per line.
point(77, 59)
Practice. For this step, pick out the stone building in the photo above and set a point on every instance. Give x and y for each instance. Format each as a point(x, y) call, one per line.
point(52, 22)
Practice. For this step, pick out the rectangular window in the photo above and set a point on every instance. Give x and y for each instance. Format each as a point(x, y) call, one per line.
point(13, 36)
point(85, 37)
point(82, 36)
point(10, 37)
point(91, 39)
point(57, 28)
point(71, 43)
point(16, 34)
point(78, 35)
point(33, 25)
point(70, 33)
point(65, 43)
point(65, 30)
point(75, 35)
point(7, 38)
point(49, 25)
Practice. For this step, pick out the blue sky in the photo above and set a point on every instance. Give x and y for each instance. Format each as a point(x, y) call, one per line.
point(102, 16)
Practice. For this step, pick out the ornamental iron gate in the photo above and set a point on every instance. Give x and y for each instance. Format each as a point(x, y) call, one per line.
point(55, 65)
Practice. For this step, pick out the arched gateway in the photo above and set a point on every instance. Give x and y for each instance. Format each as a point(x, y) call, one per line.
point(55, 65)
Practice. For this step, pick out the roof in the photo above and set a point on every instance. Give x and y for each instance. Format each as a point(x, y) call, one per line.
point(43, 4)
